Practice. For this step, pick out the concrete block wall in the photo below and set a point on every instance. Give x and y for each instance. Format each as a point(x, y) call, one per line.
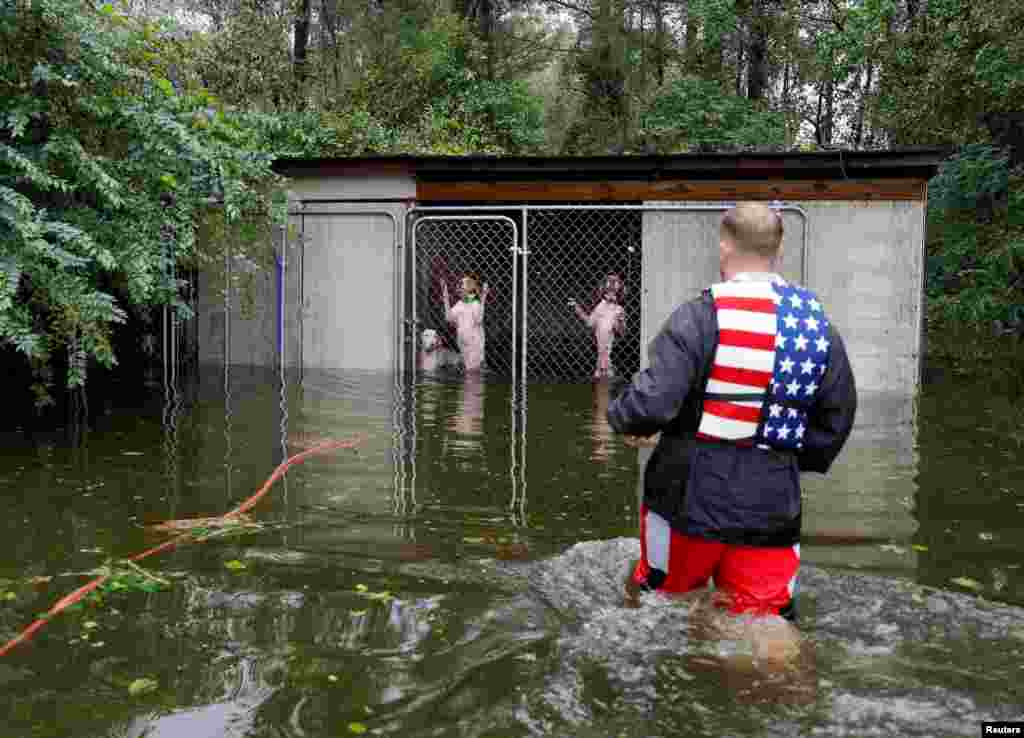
point(680, 259)
point(342, 290)
point(251, 311)
point(867, 262)
point(865, 259)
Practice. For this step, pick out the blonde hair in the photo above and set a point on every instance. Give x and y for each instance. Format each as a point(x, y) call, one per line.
point(754, 228)
point(474, 282)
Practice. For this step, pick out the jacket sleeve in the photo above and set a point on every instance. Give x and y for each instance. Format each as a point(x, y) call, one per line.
point(831, 419)
point(675, 364)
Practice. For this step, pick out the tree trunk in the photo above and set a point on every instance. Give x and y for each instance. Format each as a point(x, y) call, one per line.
point(858, 133)
point(828, 119)
point(300, 51)
point(659, 42)
point(757, 56)
point(693, 55)
point(329, 39)
point(740, 54)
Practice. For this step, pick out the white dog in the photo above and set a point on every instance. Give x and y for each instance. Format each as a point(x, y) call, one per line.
point(433, 354)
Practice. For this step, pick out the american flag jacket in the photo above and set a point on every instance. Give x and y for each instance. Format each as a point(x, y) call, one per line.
point(772, 351)
point(728, 489)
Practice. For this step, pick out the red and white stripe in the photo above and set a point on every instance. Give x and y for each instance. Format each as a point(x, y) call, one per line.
point(744, 359)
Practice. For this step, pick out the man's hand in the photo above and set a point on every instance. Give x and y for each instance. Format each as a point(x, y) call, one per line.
point(641, 441)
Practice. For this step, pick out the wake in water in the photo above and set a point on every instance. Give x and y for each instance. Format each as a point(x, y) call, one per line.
point(871, 655)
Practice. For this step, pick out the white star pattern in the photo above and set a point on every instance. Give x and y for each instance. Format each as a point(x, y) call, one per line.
point(800, 337)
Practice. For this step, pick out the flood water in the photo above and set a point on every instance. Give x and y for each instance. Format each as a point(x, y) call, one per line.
point(460, 573)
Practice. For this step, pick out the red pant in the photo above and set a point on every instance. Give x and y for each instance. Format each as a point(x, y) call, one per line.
point(754, 579)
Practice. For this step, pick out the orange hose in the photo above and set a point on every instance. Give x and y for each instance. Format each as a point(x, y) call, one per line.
point(85, 589)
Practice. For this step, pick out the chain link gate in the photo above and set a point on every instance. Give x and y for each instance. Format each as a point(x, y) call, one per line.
point(577, 259)
point(566, 254)
point(444, 249)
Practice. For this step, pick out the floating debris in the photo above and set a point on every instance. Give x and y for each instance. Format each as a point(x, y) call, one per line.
point(968, 583)
point(142, 686)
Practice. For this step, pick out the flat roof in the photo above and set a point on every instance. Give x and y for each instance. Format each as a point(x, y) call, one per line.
point(907, 163)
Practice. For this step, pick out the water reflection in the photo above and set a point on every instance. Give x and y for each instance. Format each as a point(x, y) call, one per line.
point(600, 431)
point(410, 573)
point(861, 513)
point(468, 415)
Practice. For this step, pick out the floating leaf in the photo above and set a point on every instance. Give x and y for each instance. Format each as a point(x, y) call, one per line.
point(361, 588)
point(90, 624)
point(919, 547)
point(467, 539)
point(235, 565)
point(9, 596)
point(357, 613)
point(385, 595)
point(142, 686)
point(332, 678)
point(357, 728)
point(967, 582)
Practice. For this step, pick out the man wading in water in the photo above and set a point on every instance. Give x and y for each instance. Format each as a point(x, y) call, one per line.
point(749, 385)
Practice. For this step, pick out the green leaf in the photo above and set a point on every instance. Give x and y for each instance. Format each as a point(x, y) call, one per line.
point(967, 582)
point(142, 686)
point(356, 728)
point(235, 565)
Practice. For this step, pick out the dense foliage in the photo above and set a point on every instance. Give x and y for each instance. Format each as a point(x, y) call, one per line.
point(136, 138)
point(106, 167)
point(976, 240)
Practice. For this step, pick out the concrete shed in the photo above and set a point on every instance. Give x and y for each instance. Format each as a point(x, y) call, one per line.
point(372, 239)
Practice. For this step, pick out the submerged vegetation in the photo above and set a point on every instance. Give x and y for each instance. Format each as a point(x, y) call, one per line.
point(136, 138)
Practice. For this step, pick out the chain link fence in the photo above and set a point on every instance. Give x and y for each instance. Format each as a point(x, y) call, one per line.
point(450, 247)
point(583, 256)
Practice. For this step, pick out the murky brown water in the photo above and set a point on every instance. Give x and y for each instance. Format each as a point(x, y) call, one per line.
point(460, 573)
